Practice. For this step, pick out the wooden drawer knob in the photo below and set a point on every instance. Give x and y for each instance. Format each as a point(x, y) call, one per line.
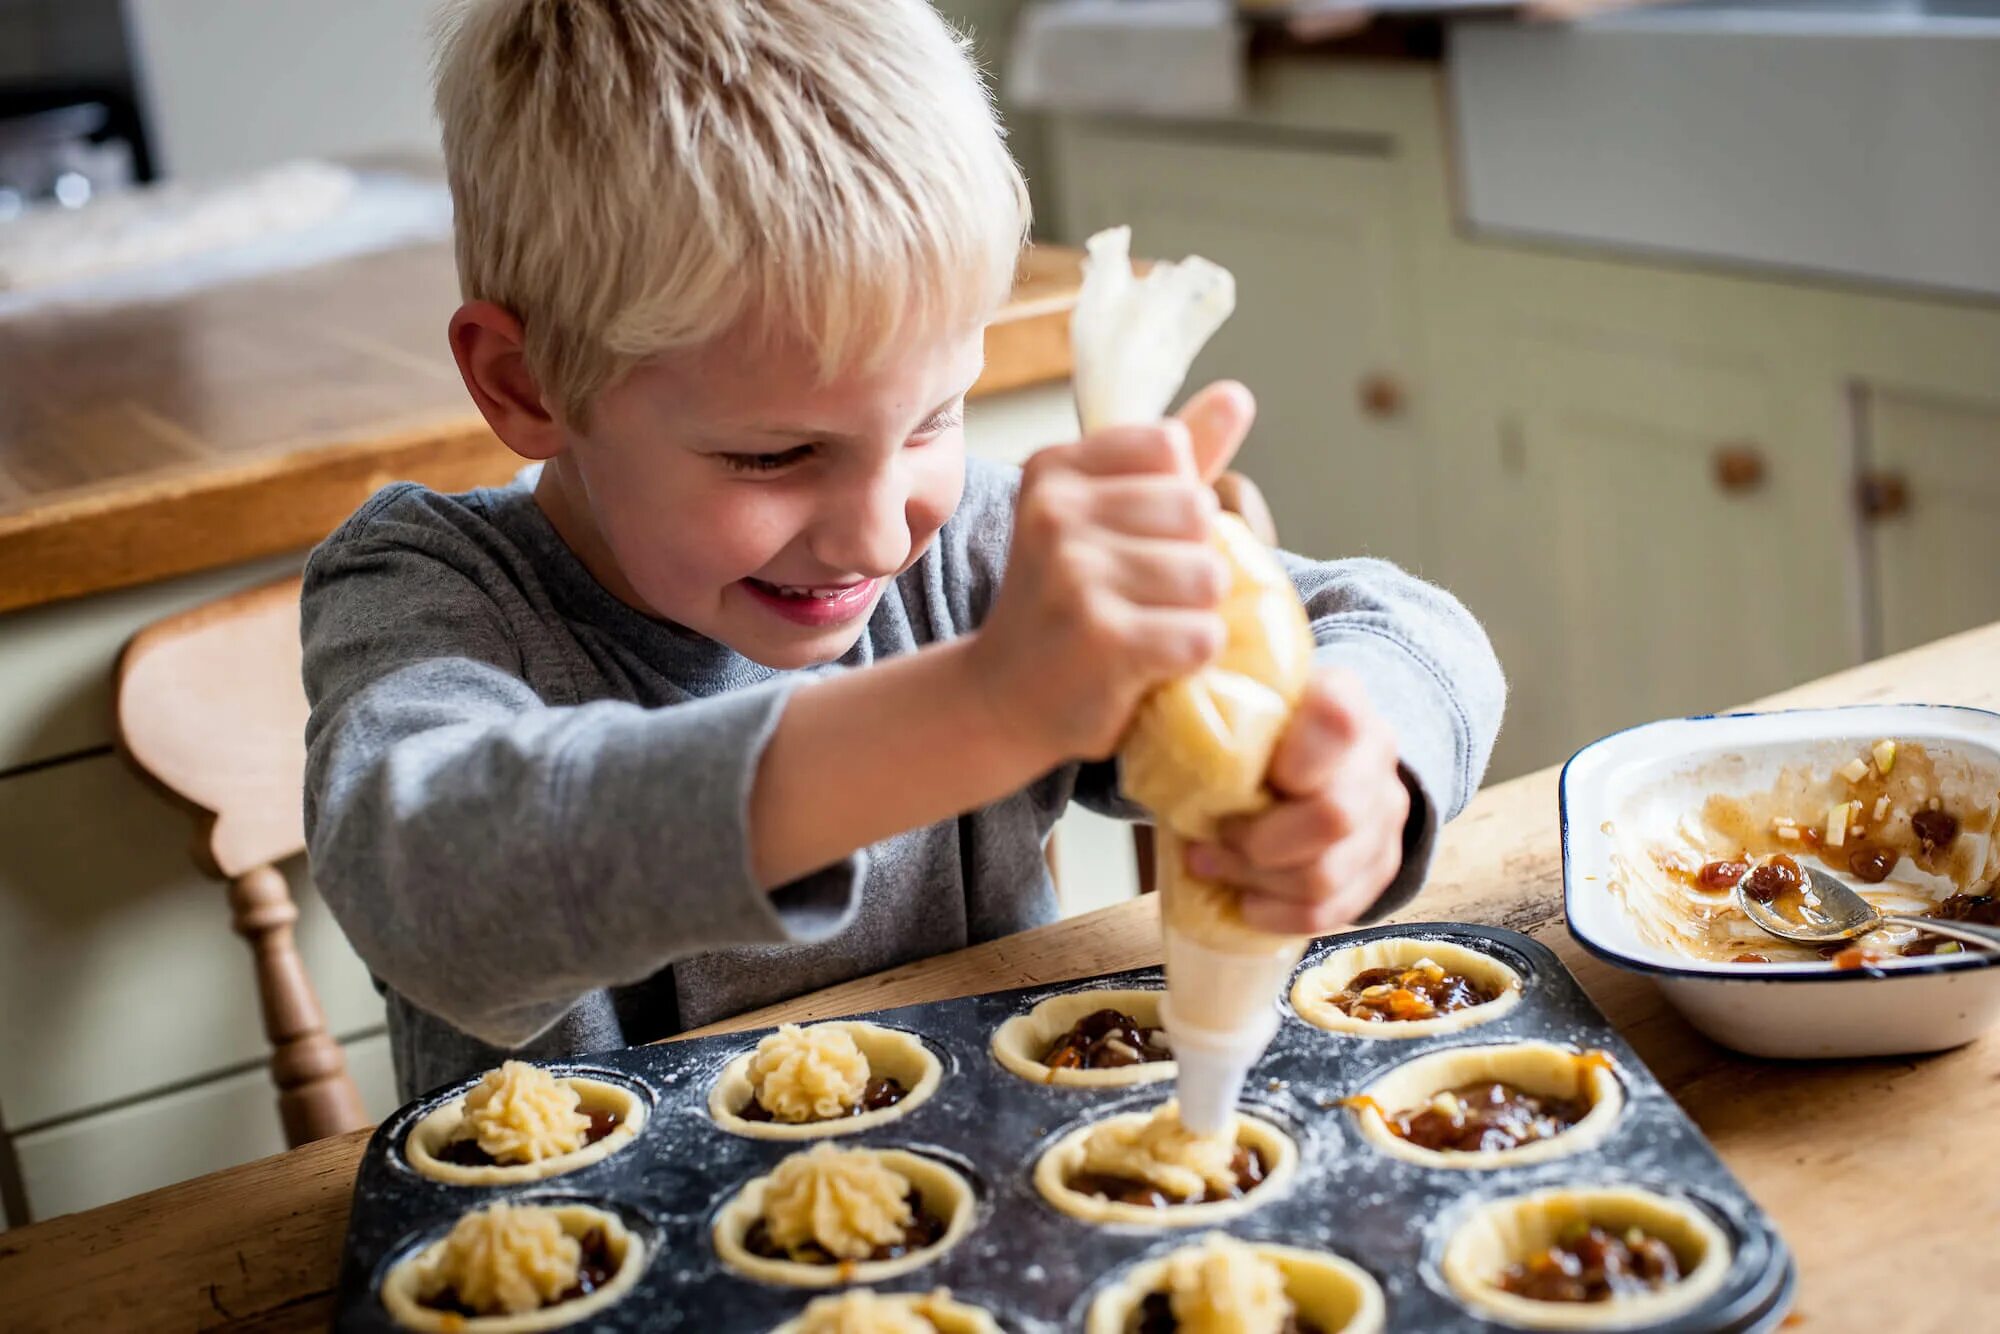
point(1739, 467)
point(1382, 395)
point(1881, 495)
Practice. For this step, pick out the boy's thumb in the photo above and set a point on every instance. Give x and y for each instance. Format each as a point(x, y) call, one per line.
point(1218, 419)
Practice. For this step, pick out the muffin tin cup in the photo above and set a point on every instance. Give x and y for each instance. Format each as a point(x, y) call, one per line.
point(1036, 1269)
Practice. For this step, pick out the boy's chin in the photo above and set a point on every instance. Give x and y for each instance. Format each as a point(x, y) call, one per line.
point(792, 652)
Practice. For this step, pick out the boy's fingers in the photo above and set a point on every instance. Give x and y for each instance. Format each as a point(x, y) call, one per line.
point(1154, 447)
point(1218, 420)
point(1166, 507)
point(1289, 834)
point(1329, 719)
point(1150, 572)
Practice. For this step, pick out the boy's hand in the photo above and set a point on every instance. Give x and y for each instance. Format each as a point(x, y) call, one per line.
point(1334, 841)
point(1111, 585)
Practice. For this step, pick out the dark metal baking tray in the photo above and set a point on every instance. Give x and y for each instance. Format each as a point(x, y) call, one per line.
point(1038, 1270)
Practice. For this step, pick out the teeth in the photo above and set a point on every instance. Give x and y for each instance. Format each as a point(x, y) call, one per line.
point(794, 591)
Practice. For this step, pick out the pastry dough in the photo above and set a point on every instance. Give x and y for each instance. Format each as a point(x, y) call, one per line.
point(511, 1251)
point(1508, 1231)
point(521, 1113)
point(1151, 1146)
point(1533, 1067)
point(451, 1121)
point(1020, 1043)
point(808, 1074)
point(942, 1191)
point(890, 1054)
point(850, 1204)
point(862, 1311)
point(1337, 1295)
point(1313, 992)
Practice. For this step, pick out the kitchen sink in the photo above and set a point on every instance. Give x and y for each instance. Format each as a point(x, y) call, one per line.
point(1846, 138)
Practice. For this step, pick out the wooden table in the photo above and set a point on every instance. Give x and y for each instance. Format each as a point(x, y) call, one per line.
point(1881, 1173)
point(157, 438)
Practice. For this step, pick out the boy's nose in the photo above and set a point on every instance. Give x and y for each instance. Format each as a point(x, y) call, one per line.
point(865, 530)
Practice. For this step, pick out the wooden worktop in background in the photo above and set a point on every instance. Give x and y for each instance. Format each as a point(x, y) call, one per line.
point(1879, 1172)
point(158, 438)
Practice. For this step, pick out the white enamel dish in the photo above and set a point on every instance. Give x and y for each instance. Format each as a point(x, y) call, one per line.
point(1805, 1010)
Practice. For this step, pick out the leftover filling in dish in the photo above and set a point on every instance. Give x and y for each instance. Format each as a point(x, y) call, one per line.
point(1980, 909)
point(832, 1205)
point(1588, 1263)
point(1423, 990)
point(1107, 1040)
point(1485, 1117)
point(1910, 827)
point(1219, 1287)
point(1158, 1163)
point(521, 1113)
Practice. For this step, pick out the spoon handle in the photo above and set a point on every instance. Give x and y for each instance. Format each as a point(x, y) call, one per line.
point(1971, 933)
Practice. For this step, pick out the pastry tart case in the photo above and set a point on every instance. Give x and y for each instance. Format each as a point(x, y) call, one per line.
point(1037, 1268)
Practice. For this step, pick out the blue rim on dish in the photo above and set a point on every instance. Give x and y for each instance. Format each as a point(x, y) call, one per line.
point(1795, 972)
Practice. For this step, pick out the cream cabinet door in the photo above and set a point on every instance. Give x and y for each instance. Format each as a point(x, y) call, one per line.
point(1933, 546)
point(1322, 308)
point(1652, 530)
point(119, 975)
point(185, 1132)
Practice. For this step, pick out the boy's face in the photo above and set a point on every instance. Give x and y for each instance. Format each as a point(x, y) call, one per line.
point(725, 490)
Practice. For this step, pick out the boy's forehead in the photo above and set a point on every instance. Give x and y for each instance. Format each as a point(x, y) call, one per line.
point(748, 382)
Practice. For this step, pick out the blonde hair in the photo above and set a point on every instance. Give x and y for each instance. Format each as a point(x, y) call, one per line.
point(637, 176)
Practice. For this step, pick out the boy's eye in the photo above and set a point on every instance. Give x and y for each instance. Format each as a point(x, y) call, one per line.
point(942, 422)
point(765, 462)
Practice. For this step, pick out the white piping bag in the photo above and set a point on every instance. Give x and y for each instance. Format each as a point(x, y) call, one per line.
point(1199, 747)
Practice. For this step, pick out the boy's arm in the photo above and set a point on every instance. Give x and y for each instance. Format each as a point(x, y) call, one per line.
point(1430, 672)
point(493, 858)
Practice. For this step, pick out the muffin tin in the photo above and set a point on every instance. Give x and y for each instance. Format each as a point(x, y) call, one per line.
point(1037, 1270)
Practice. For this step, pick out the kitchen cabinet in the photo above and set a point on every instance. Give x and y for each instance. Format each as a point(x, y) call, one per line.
point(181, 1133)
point(1928, 501)
point(1640, 474)
point(1311, 228)
point(119, 974)
point(1646, 533)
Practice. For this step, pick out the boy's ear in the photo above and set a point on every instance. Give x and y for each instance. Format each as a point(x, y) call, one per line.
point(487, 342)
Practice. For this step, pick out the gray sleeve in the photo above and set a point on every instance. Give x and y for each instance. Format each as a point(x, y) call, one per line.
point(493, 857)
point(1430, 671)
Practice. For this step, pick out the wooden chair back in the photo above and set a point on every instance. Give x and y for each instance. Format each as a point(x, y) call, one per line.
point(211, 707)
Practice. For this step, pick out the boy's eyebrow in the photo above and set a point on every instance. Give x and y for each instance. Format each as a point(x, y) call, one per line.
point(796, 432)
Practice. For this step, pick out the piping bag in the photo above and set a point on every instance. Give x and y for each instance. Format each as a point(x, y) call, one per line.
point(1198, 748)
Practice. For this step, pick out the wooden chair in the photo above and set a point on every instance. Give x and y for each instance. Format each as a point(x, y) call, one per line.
point(210, 707)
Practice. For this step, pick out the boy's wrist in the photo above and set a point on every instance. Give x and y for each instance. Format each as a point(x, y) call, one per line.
point(995, 732)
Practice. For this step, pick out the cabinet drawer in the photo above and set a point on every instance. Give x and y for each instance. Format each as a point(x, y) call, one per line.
point(118, 971)
point(189, 1132)
point(56, 662)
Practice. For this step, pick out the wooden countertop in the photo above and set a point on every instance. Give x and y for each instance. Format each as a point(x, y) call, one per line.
point(153, 439)
point(1881, 1173)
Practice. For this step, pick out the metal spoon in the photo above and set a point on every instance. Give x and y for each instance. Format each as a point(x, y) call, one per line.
point(1843, 914)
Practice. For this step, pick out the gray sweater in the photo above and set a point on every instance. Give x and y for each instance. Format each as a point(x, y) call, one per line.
point(527, 802)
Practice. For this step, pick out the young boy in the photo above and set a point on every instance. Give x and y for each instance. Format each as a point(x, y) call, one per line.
point(732, 701)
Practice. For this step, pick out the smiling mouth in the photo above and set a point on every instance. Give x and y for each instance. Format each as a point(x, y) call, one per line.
point(810, 592)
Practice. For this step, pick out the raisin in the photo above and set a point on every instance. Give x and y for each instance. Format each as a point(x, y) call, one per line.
point(1936, 828)
point(1871, 866)
point(1777, 876)
point(1720, 875)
